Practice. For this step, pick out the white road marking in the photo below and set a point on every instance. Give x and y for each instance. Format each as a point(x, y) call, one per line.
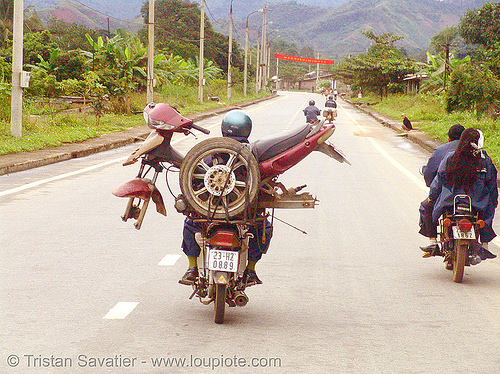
point(67, 175)
point(169, 260)
point(121, 310)
point(58, 177)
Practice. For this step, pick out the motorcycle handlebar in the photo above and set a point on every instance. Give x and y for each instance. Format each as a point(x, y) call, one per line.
point(199, 128)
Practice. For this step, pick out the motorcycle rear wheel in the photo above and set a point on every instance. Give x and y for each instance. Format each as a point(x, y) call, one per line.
point(220, 303)
point(219, 177)
point(459, 258)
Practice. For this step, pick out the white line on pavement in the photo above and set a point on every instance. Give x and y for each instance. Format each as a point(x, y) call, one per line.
point(121, 310)
point(58, 177)
point(169, 260)
point(67, 175)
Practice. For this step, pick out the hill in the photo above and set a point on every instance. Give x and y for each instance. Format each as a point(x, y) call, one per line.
point(333, 30)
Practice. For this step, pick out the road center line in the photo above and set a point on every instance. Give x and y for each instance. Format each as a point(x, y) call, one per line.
point(121, 310)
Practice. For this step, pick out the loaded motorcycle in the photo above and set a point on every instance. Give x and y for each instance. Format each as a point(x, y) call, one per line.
point(227, 189)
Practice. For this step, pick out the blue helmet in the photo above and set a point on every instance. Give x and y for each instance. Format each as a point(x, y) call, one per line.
point(236, 123)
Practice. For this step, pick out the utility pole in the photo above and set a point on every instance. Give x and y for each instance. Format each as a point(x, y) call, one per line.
point(16, 109)
point(263, 56)
point(245, 78)
point(257, 66)
point(151, 47)
point(277, 73)
point(317, 72)
point(230, 56)
point(446, 64)
point(246, 62)
point(201, 59)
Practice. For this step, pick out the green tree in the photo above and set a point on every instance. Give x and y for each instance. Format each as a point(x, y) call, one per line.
point(6, 16)
point(177, 31)
point(481, 26)
point(381, 69)
point(38, 44)
point(70, 36)
point(473, 88)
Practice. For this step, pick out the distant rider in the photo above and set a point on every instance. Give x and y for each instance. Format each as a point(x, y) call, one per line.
point(311, 112)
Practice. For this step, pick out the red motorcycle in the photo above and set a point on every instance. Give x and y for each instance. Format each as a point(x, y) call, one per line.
point(227, 188)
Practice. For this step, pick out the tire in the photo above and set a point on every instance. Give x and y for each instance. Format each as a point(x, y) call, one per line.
point(220, 302)
point(459, 257)
point(204, 173)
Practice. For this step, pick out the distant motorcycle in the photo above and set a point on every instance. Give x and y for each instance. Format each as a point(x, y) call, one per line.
point(330, 114)
point(227, 189)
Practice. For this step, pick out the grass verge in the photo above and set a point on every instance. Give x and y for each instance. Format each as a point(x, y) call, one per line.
point(45, 127)
point(428, 114)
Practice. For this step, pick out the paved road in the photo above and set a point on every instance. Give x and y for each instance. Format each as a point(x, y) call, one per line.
point(87, 292)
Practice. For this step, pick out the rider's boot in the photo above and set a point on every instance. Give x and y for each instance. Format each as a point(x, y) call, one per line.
point(191, 273)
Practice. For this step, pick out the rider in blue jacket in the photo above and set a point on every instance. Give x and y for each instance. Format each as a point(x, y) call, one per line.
point(469, 171)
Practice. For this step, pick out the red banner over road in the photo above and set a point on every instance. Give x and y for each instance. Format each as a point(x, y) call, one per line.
point(304, 59)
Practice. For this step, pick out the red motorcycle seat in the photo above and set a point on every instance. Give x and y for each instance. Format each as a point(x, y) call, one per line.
point(269, 146)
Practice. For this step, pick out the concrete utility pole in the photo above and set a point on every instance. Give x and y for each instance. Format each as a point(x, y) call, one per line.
point(201, 59)
point(230, 56)
point(257, 66)
point(317, 72)
point(263, 56)
point(16, 108)
point(245, 78)
point(151, 48)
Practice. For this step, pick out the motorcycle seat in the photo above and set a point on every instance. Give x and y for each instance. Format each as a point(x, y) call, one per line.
point(272, 145)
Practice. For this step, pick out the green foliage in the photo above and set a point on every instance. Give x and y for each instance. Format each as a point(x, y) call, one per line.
point(481, 26)
point(177, 32)
point(472, 88)
point(43, 84)
point(38, 44)
point(6, 16)
point(5, 93)
point(70, 36)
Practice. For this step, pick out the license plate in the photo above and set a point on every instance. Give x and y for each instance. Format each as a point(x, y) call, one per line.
point(223, 260)
point(458, 234)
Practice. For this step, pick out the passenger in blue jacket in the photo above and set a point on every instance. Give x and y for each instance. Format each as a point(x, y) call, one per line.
point(469, 171)
point(427, 226)
point(430, 170)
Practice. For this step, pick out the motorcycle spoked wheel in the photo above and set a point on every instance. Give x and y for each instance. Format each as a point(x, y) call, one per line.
point(220, 302)
point(219, 177)
point(459, 259)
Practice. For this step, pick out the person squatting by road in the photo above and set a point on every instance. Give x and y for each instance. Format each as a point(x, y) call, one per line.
point(311, 112)
point(406, 123)
point(470, 171)
point(236, 125)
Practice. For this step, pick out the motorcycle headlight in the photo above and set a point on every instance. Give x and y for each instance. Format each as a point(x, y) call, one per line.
point(159, 125)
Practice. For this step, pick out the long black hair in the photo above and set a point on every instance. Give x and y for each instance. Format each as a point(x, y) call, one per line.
point(463, 165)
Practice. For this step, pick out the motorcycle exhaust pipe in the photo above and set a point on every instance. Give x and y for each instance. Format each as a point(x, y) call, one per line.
point(240, 298)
